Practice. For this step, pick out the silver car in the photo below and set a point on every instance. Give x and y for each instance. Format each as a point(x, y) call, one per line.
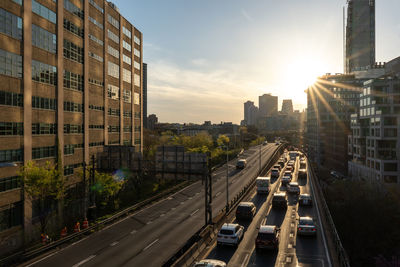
point(306, 226)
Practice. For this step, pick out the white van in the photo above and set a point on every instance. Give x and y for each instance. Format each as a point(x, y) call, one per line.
point(263, 185)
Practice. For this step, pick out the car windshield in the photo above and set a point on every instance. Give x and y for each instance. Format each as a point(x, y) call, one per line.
point(306, 222)
point(266, 236)
point(226, 232)
point(243, 208)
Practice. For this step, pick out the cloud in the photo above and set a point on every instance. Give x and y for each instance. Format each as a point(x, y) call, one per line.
point(246, 15)
point(199, 62)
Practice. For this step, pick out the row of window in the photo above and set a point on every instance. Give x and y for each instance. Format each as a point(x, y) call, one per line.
point(44, 11)
point(126, 59)
point(127, 129)
point(11, 155)
point(99, 8)
point(44, 128)
point(96, 144)
point(96, 82)
point(11, 128)
point(128, 114)
point(95, 22)
point(44, 103)
point(113, 92)
point(112, 51)
point(136, 52)
point(45, 73)
point(113, 70)
point(70, 149)
point(69, 169)
point(10, 24)
point(92, 126)
point(11, 216)
point(95, 39)
point(43, 152)
point(10, 64)
point(72, 51)
point(136, 80)
point(126, 75)
point(136, 40)
point(68, 5)
point(113, 142)
point(100, 108)
point(73, 107)
point(136, 65)
point(127, 32)
point(73, 81)
point(126, 46)
point(73, 128)
point(113, 112)
point(127, 96)
point(44, 39)
point(71, 27)
point(9, 183)
point(113, 129)
point(113, 21)
point(11, 99)
point(95, 56)
point(113, 36)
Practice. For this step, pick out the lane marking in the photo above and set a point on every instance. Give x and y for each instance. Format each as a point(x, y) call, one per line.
point(149, 222)
point(113, 243)
point(149, 245)
point(173, 208)
point(183, 202)
point(134, 231)
point(194, 212)
point(84, 261)
point(161, 215)
point(48, 256)
point(217, 194)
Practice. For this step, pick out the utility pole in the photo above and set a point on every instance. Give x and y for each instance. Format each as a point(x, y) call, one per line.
point(259, 171)
point(208, 191)
point(227, 184)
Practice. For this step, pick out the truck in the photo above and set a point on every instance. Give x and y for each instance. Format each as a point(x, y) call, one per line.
point(263, 185)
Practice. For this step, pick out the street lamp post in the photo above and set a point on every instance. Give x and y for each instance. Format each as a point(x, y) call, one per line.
point(227, 184)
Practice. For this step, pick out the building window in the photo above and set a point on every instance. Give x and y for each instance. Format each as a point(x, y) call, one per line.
point(100, 126)
point(95, 22)
point(99, 108)
point(73, 107)
point(43, 152)
point(126, 46)
point(96, 82)
point(126, 75)
point(137, 129)
point(113, 70)
point(113, 52)
point(44, 103)
point(128, 114)
point(72, 51)
point(126, 59)
point(127, 32)
point(95, 56)
point(136, 99)
point(137, 115)
point(19, 2)
point(10, 64)
point(113, 36)
point(11, 155)
point(113, 129)
point(44, 12)
point(73, 81)
point(9, 183)
point(44, 128)
point(69, 169)
point(94, 38)
point(127, 96)
point(113, 142)
point(10, 24)
point(42, 72)
point(73, 128)
point(113, 92)
point(136, 40)
point(127, 129)
point(137, 80)
point(136, 65)
point(11, 215)
point(99, 8)
point(70, 149)
point(137, 141)
point(96, 144)
point(11, 99)
point(44, 39)
point(71, 27)
point(113, 112)
point(113, 21)
point(136, 52)
point(11, 128)
point(68, 5)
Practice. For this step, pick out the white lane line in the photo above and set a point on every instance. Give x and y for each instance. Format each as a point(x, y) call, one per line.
point(149, 245)
point(113, 243)
point(134, 231)
point(149, 222)
point(173, 208)
point(194, 212)
point(84, 261)
point(217, 194)
point(48, 256)
point(161, 215)
point(245, 260)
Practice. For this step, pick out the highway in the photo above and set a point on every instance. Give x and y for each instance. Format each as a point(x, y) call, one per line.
point(152, 235)
point(293, 250)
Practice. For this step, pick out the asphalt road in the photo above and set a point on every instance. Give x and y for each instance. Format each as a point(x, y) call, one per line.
point(293, 250)
point(152, 235)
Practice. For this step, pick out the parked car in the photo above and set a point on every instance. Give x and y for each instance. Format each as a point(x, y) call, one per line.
point(293, 187)
point(230, 234)
point(245, 210)
point(305, 200)
point(279, 200)
point(306, 226)
point(210, 263)
point(275, 173)
point(241, 164)
point(268, 237)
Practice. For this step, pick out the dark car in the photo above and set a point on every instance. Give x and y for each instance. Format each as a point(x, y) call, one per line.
point(245, 211)
point(267, 238)
point(305, 200)
point(279, 200)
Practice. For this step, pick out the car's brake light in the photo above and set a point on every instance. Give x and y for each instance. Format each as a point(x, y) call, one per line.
point(300, 228)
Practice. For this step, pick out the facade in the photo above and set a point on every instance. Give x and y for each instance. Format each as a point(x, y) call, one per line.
point(144, 94)
point(374, 143)
point(287, 106)
point(360, 35)
point(268, 105)
point(250, 113)
point(71, 75)
point(330, 102)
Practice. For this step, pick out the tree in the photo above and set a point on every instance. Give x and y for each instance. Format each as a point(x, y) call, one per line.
point(45, 186)
point(106, 187)
point(222, 140)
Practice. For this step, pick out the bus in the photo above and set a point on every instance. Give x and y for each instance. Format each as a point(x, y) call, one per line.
point(263, 185)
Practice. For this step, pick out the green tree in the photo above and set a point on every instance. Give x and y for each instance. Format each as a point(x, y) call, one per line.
point(222, 140)
point(106, 187)
point(45, 185)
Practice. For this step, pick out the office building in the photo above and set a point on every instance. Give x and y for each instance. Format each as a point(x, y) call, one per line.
point(250, 113)
point(151, 121)
point(267, 105)
point(360, 35)
point(144, 95)
point(287, 106)
point(71, 74)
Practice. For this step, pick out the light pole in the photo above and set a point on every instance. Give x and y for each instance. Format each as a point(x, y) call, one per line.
point(259, 171)
point(227, 185)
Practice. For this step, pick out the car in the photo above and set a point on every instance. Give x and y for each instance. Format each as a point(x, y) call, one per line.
point(277, 166)
point(305, 200)
point(265, 143)
point(287, 177)
point(210, 263)
point(306, 226)
point(230, 234)
point(275, 173)
point(291, 163)
point(279, 200)
point(267, 237)
point(293, 187)
point(289, 168)
point(245, 211)
point(281, 163)
point(241, 164)
point(283, 158)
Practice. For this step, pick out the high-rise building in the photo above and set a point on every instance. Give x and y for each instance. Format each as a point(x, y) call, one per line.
point(250, 113)
point(360, 35)
point(287, 106)
point(71, 80)
point(267, 105)
point(144, 95)
point(151, 121)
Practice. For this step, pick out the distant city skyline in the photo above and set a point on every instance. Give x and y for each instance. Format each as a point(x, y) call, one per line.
point(201, 69)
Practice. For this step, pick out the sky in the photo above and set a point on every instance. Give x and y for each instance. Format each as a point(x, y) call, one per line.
point(207, 57)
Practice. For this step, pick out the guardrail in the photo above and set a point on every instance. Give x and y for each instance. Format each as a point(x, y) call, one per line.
point(340, 252)
point(188, 253)
point(28, 254)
